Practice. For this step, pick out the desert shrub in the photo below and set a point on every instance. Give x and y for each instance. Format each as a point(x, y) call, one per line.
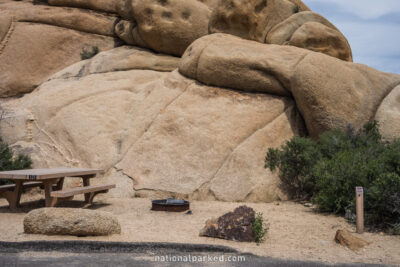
point(85, 54)
point(296, 9)
point(10, 162)
point(260, 228)
point(328, 171)
point(294, 161)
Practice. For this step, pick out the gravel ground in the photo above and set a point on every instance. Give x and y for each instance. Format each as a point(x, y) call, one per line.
point(296, 232)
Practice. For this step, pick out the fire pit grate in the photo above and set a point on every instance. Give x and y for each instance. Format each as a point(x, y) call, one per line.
point(170, 204)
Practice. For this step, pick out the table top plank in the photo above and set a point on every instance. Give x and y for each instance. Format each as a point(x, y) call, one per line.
point(42, 174)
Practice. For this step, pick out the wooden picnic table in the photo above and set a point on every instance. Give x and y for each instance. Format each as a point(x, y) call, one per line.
point(52, 180)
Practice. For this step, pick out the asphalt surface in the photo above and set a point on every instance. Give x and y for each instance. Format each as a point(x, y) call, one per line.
point(86, 253)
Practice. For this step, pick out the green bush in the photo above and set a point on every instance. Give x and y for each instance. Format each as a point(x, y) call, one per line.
point(295, 161)
point(260, 228)
point(328, 171)
point(9, 162)
point(85, 54)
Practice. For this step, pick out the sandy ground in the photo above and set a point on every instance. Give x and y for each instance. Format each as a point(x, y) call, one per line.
point(296, 232)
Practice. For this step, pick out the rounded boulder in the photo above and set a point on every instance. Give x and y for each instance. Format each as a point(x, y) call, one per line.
point(70, 221)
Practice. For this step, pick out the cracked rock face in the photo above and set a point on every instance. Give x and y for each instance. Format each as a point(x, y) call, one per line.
point(195, 126)
point(152, 127)
point(311, 78)
point(55, 32)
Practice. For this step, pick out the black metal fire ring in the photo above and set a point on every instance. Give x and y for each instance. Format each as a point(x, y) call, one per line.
point(171, 205)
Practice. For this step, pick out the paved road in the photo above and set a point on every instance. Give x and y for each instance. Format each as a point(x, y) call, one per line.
point(133, 254)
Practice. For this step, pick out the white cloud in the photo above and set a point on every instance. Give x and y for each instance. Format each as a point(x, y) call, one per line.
point(365, 9)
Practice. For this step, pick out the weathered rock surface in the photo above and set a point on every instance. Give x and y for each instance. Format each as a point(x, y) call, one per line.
point(153, 127)
point(39, 42)
point(249, 19)
point(172, 134)
point(5, 24)
point(71, 221)
point(170, 26)
point(110, 6)
point(331, 93)
point(228, 61)
point(345, 238)
point(311, 31)
point(317, 37)
point(312, 78)
point(388, 116)
point(120, 59)
point(236, 225)
point(27, 45)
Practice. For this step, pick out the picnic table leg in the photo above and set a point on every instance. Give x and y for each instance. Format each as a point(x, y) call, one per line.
point(48, 187)
point(60, 184)
point(86, 182)
point(14, 197)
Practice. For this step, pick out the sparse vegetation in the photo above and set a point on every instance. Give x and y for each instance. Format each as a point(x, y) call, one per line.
point(85, 54)
point(260, 228)
point(296, 9)
point(328, 171)
point(8, 161)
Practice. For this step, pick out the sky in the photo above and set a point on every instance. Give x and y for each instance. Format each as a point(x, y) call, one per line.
point(371, 26)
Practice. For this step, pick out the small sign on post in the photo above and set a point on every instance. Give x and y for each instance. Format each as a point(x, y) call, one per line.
point(360, 209)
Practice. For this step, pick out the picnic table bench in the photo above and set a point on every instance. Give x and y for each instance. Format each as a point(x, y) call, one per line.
point(52, 181)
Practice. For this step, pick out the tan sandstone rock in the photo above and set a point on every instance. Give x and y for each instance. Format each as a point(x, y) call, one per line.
point(70, 18)
point(120, 59)
point(283, 31)
point(54, 47)
point(5, 24)
point(124, 30)
point(332, 93)
point(388, 116)
point(110, 6)
point(120, 7)
point(328, 92)
point(345, 238)
point(311, 31)
point(152, 128)
point(320, 38)
point(39, 42)
point(228, 61)
point(249, 19)
point(71, 221)
point(170, 26)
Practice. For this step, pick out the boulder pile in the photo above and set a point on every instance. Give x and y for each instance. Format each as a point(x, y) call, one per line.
point(186, 96)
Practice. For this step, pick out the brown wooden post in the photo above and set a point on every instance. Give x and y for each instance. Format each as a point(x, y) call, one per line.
point(86, 182)
point(48, 188)
point(360, 209)
point(14, 197)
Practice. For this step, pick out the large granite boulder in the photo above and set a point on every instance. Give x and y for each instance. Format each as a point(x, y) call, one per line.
point(200, 132)
point(38, 41)
point(249, 19)
point(388, 115)
point(55, 32)
point(170, 26)
point(152, 128)
point(71, 221)
point(311, 78)
point(311, 31)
